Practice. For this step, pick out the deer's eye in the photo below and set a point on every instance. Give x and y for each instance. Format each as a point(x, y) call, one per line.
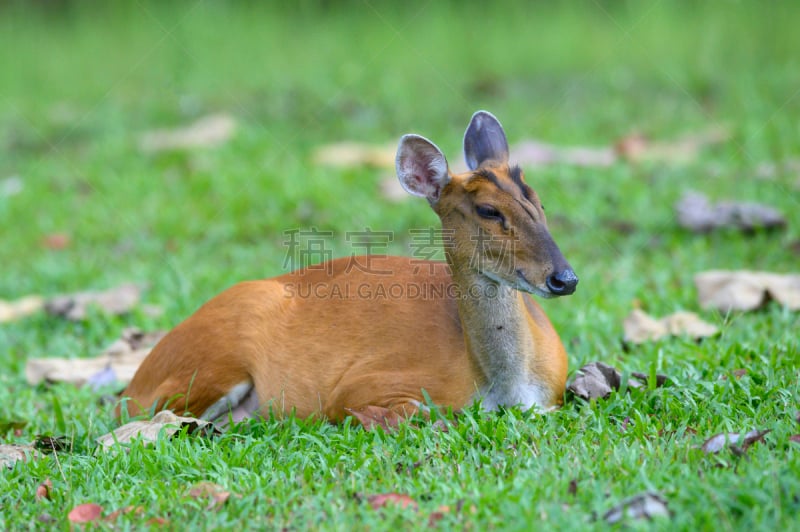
point(488, 212)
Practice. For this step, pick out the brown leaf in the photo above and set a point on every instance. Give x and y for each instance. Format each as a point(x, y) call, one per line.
point(85, 513)
point(376, 416)
point(643, 506)
point(49, 444)
point(116, 301)
point(537, 153)
point(727, 290)
point(795, 438)
point(438, 515)
point(43, 490)
point(355, 154)
point(719, 442)
point(123, 357)
point(594, 381)
point(640, 327)
point(56, 241)
point(149, 431)
point(597, 380)
point(399, 499)
point(216, 494)
point(696, 213)
point(637, 148)
point(207, 132)
point(10, 453)
point(737, 373)
point(113, 516)
point(21, 308)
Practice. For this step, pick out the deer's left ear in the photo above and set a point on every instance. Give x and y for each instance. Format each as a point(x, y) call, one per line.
point(421, 167)
point(484, 141)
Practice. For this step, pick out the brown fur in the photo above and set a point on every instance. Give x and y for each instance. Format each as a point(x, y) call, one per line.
point(320, 340)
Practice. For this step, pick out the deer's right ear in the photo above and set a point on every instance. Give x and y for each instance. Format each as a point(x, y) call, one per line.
point(421, 167)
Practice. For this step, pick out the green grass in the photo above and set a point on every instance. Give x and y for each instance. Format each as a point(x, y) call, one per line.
point(78, 86)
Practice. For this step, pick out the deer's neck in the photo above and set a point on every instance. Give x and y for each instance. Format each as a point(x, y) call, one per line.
point(499, 340)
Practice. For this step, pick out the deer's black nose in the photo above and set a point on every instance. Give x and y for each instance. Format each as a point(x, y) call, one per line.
point(562, 283)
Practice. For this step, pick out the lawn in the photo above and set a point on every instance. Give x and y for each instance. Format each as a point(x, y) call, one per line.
point(83, 206)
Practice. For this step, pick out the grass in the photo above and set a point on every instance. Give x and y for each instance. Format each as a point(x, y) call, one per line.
point(79, 84)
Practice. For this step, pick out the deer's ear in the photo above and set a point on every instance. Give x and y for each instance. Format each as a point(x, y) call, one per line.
point(484, 141)
point(421, 167)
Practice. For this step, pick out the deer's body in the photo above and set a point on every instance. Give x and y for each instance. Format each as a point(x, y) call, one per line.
point(325, 339)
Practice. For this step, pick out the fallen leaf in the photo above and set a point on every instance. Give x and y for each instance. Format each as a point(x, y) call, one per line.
point(216, 494)
point(113, 516)
point(49, 444)
point(637, 148)
point(719, 442)
point(85, 513)
point(165, 421)
point(537, 153)
point(795, 438)
point(75, 306)
point(594, 381)
point(376, 416)
point(696, 213)
point(640, 327)
point(643, 506)
point(21, 308)
point(43, 490)
point(398, 499)
point(56, 241)
point(123, 358)
point(209, 131)
point(644, 378)
point(355, 154)
point(10, 453)
point(597, 380)
point(727, 290)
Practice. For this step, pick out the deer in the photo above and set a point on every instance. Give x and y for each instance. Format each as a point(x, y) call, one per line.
point(283, 346)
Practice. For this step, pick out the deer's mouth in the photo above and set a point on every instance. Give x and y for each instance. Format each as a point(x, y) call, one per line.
point(526, 286)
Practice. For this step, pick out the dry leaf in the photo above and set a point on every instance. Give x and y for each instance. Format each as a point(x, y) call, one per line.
point(206, 132)
point(730, 439)
point(597, 380)
point(643, 506)
point(637, 148)
point(85, 513)
point(640, 327)
point(696, 213)
point(44, 489)
point(536, 153)
point(10, 453)
point(355, 154)
point(50, 444)
point(795, 438)
point(124, 357)
point(113, 516)
point(399, 499)
point(216, 494)
point(371, 416)
point(14, 310)
point(727, 290)
point(115, 301)
point(149, 431)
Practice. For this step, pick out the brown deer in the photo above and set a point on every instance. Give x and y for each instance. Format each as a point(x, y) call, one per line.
point(470, 330)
